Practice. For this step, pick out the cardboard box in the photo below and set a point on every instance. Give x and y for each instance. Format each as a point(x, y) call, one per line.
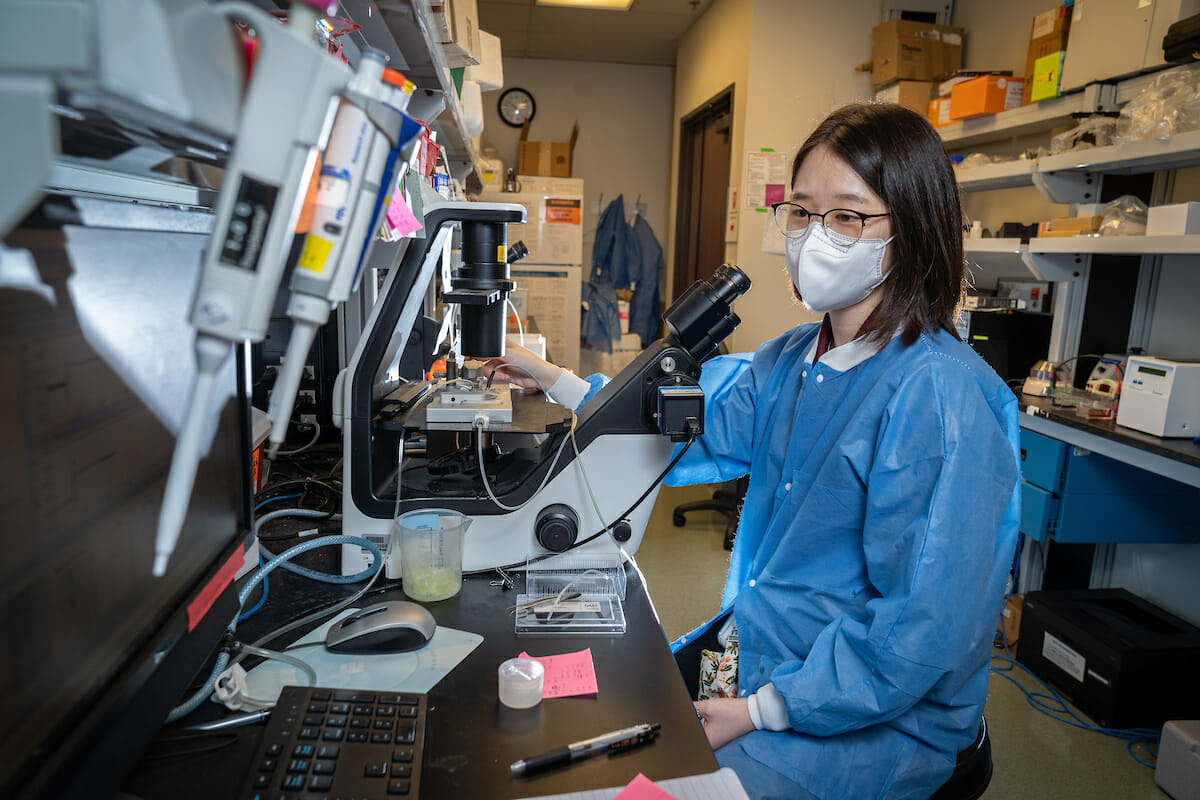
point(910, 94)
point(489, 72)
point(946, 86)
point(1009, 625)
point(456, 23)
point(1047, 77)
point(914, 51)
point(939, 112)
point(552, 159)
point(985, 95)
point(1178, 219)
point(1049, 35)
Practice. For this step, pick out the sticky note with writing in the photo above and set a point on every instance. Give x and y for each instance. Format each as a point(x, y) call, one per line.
point(567, 674)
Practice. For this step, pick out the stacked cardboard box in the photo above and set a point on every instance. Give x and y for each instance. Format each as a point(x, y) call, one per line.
point(1047, 46)
point(908, 58)
point(986, 94)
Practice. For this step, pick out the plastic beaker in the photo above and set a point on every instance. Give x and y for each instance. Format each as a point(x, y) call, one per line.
point(431, 548)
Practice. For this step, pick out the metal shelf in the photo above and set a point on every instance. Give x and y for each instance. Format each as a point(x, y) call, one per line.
point(1061, 259)
point(402, 29)
point(1000, 258)
point(1033, 118)
point(1005, 175)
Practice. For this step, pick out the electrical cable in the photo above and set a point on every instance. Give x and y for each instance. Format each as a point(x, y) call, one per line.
point(266, 590)
point(520, 328)
point(606, 528)
point(483, 468)
point(302, 448)
point(222, 661)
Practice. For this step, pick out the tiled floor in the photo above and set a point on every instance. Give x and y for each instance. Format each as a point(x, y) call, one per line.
point(1035, 756)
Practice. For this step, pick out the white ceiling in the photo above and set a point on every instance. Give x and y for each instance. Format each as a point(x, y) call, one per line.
point(646, 34)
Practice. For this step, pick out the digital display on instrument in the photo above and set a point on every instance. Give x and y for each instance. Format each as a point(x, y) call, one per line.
point(1162, 373)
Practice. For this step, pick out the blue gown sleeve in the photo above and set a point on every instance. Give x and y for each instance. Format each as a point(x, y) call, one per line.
point(939, 534)
point(723, 451)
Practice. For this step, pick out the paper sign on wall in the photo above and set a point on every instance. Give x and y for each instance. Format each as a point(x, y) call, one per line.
point(767, 178)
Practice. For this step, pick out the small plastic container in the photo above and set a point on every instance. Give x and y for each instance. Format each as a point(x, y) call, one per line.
point(520, 682)
point(431, 550)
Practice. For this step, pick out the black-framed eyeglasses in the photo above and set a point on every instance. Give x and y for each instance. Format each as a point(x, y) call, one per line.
point(843, 225)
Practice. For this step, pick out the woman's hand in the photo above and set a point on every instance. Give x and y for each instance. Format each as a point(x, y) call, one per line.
point(725, 719)
point(522, 367)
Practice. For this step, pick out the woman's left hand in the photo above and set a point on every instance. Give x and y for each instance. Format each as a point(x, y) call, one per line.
point(725, 719)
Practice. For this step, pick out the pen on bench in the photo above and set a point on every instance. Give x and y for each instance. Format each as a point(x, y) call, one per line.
point(623, 739)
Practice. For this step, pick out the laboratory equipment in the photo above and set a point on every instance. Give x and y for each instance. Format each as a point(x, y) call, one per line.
point(370, 137)
point(1009, 341)
point(1161, 397)
point(262, 191)
point(519, 682)
point(1122, 660)
point(572, 594)
point(431, 551)
point(531, 462)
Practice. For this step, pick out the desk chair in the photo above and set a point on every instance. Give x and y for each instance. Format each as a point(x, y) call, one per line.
point(972, 772)
point(727, 500)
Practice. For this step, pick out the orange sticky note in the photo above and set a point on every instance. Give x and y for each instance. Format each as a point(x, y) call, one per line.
point(567, 674)
point(642, 788)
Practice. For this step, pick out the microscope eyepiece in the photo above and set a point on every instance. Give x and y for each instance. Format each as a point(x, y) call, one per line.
point(702, 315)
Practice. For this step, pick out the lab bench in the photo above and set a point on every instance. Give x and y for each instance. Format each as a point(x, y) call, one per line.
point(470, 738)
point(1085, 480)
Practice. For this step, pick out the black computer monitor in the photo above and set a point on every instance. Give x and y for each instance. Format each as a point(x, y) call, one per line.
point(94, 650)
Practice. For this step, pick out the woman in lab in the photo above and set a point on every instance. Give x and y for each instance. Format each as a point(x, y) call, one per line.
point(881, 515)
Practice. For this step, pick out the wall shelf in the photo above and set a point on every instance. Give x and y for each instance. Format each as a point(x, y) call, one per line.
point(1000, 258)
point(1004, 175)
point(1033, 118)
point(1060, 259)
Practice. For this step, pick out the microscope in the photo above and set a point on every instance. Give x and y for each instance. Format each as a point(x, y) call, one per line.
point(536, 478)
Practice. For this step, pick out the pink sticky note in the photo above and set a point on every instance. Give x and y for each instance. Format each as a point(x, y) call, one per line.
point(774, 193)
point(567, 674)
point(642, 788)
point(400, 216)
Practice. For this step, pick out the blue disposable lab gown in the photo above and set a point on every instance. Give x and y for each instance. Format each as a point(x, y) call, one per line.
point(874, 546)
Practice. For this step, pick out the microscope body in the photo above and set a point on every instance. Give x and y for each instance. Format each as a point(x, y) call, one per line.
point(535, 478)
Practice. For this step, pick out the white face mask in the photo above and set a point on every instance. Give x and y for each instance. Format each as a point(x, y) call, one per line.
point(831, 276)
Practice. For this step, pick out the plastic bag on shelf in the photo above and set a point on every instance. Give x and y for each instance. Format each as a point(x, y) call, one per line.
point(1125, 216)
point(978, 160)
point(1169, 105)
point(1095, 131)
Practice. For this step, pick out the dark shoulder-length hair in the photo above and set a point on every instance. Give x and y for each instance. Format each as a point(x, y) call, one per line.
point(900, 156)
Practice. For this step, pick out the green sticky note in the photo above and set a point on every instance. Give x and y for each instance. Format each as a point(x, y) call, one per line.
point(1047, 71)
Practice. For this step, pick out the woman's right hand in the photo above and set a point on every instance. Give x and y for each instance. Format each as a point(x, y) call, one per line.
point(521, 366)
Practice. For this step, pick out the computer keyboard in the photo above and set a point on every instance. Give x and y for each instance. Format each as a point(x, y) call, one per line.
point(326, 743)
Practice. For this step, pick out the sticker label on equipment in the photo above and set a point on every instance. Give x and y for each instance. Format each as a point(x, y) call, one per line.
point(248, 224)
point(315, 253)
point(564, 211)
point(1069, 661)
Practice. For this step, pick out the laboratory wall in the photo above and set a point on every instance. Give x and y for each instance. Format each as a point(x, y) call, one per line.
point(800, 67)
point(624, 116)
point(713, 55)
point(1164, 574)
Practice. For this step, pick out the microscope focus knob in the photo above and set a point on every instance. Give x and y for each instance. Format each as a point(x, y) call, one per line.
point(557, 527)
point(622, 531)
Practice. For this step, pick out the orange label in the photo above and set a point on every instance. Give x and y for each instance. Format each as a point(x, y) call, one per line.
point(564, 211)
point(209, 594)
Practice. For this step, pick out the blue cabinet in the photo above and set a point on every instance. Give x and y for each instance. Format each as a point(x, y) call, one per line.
point(1074, 495)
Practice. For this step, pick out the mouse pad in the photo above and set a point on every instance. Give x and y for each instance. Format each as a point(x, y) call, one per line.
point(417, 671)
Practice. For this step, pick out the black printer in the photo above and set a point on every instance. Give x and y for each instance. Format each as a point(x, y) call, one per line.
point(1123, 661)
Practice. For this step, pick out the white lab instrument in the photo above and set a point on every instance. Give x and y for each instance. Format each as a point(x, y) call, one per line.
point(289, 107)
point(358, 169)
point(1161, 397)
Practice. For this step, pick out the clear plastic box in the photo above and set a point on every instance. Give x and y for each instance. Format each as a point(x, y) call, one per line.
point(573, 594)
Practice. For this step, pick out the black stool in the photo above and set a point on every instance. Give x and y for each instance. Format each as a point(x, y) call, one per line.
point(727, 500)
point(972, 771)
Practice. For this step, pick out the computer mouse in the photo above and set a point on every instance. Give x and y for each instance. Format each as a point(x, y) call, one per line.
point(394, 626)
